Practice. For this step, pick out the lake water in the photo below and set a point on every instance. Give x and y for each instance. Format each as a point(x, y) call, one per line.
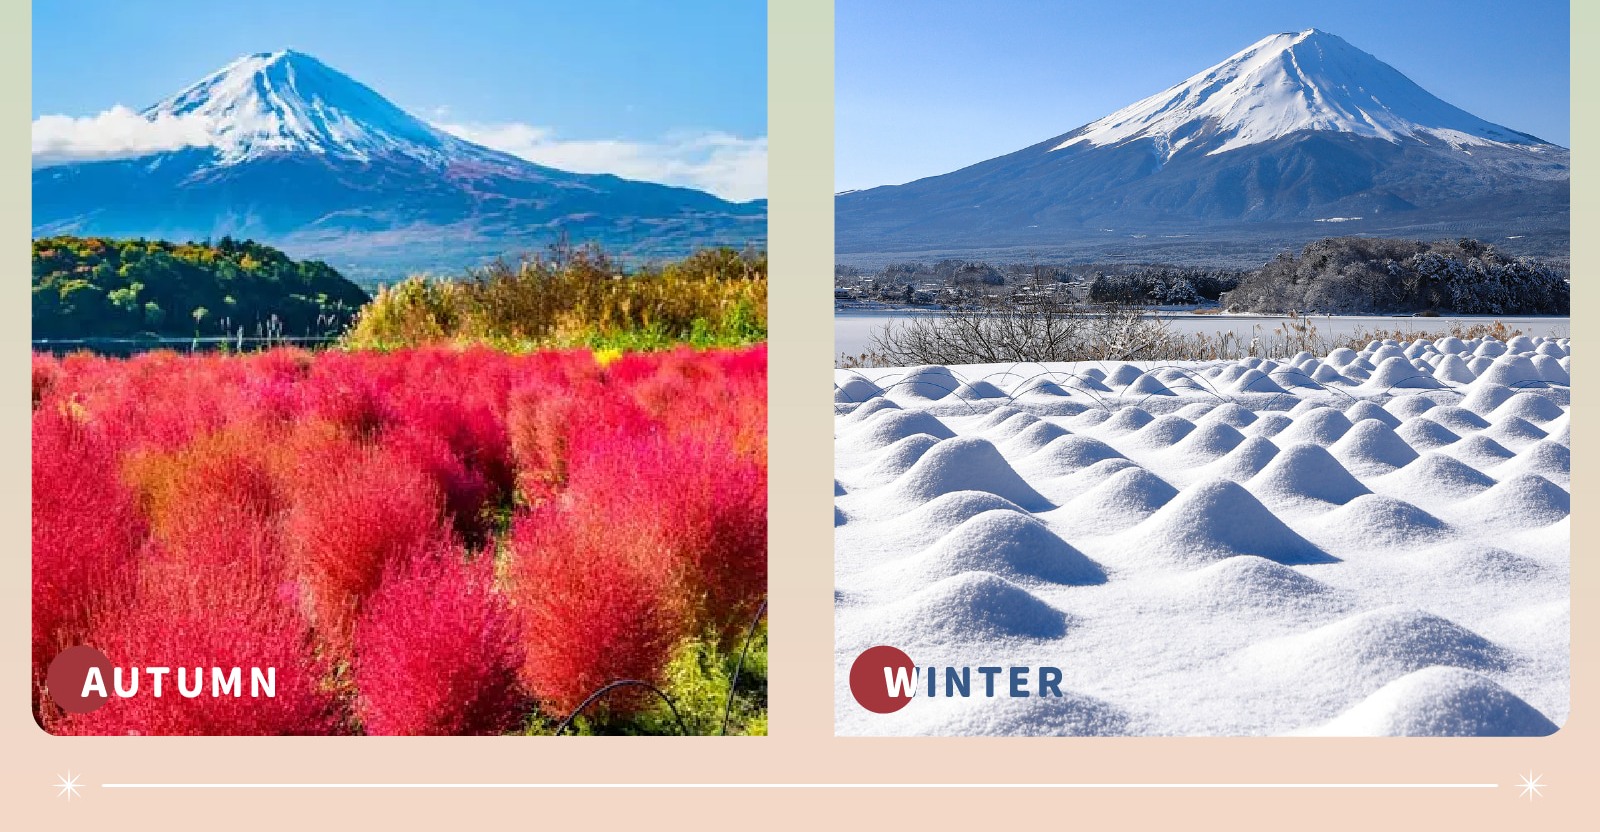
point(853, 331)
point(125, 347)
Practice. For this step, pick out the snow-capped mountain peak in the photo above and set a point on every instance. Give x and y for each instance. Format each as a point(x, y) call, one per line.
point(1288, 83)
point(288, 101)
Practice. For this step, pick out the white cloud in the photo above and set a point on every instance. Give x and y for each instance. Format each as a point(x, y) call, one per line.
point(117, 133)
point(729, 166)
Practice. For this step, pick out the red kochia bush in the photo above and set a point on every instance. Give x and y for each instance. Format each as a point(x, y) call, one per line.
point(594, 609)
point(697, 504)
point(296, 509)
point(701, 395)
point(86, 528)
point(224, 617)
point(354, 511)
point(437, 651)
point(465, 489)
point(230, 473)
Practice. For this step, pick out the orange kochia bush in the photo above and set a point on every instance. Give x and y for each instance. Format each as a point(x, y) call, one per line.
point(435, 540)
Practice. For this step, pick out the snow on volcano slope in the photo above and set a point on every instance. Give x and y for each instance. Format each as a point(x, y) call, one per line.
point(290, 102)
point(1287, 83)
point(1369, 542)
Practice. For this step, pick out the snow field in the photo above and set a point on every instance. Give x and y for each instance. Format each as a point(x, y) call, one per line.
point(1368, 542)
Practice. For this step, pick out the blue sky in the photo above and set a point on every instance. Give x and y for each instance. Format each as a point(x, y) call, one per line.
point(654, 86)
point(925, 88)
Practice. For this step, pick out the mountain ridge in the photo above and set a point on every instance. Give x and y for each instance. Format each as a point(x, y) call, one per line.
point(1297, 130)
point(307, 158)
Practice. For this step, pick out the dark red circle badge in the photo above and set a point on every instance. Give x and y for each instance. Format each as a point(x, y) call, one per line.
point(68, 674)
point(883, 679)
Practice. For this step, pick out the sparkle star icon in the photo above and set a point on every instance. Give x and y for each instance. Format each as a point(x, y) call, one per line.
point(68, 787)
point(1531, 786)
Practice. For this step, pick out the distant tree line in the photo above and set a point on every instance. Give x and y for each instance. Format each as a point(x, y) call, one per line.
point(961, 273)
point(1162, 285)
point(1345, 275)
point(101, 287)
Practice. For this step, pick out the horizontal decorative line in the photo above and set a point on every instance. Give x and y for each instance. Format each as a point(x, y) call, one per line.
point(800, 785)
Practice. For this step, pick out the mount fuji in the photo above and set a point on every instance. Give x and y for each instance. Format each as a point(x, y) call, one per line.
point(300, 155)
point(1299, 136)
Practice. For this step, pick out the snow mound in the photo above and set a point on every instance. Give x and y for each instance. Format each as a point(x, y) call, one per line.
point(1514, 432)
point(1000, 416)
point(1511, 370)
point(1207, 442)
point(1123, 499)
point(1551, 370)
point(1529, 406)
point(1161, 433)
point(1269, 424)
point(1069, 454)
point(1034, 437)
point(1439, 474)
point(1306, 471)
point(897, 459)
point(1480, 451)
point(982, 390)
point(1525, 500)
point(1477, 563)
point(1326, 375)
point(1013, 424)
point(1382, 520)
point(1425, 434)
point(1369, 649)
point(1372, 448)
point(1441, 702)
point(1242, 462)
point(1364, 409)
point(969, 606)
point(1090, 418)
point(884, 430)
point(865, 411)
point(1341, 357)
point(1229, 414)
point(1489, 348)
point(1044, 387)
point(1248, 581)
point(856, 389)
point(1122, 375)
point(1218, 519)
point(928, 383)
point(1007, 543)
point(1484, 398)
point(966, 463)
point(1550, 460)
point(1454, 370)
point(1458, 419)
point(1254, 381)
point(938, 517)
point(1408, 407)
point(1126, 420)
point(1398, 373)
point(1148, 384)
point(1319, 426)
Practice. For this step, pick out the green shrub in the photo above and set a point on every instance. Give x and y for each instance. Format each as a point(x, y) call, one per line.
point(715, 297)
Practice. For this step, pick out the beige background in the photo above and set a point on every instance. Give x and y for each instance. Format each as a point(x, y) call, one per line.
point(801, 748)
